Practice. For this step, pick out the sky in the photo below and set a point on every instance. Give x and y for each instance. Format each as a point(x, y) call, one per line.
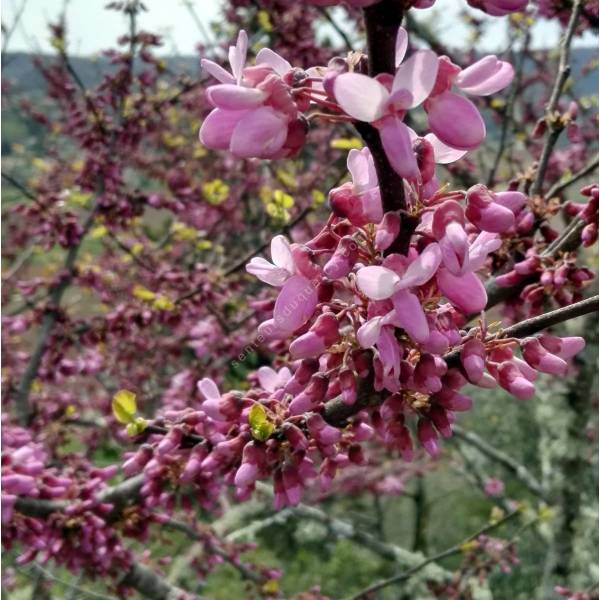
point(94, 28)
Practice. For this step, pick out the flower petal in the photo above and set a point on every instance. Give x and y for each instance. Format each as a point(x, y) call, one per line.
point(267, 377)
point(377, 283)
point(487, 76)
point(266, 56)
point(410, 316)
point(401, 45)
point(281, 254)
point(295, 304)
point(423, 268)
point(417, 75)
point(465, 292)
point(208, 388)
point(397, 144)
point(456, 121)
point(443, 153)
point(217, 71)
point(218, 127)
point(268, 273)
point(234, 97)
point(362, 168)
point(360, 96)
point(261, 133)
point(368, 333)
point(237, 55)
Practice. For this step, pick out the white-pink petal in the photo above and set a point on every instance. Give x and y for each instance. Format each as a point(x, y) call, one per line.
point(268, 273)
point(266, 56)
point(377, 283)
point(443, 153)
point(401, 45)
point(261, 133)
point(417, 75)
point(368, 333)
point(234, 97)
point(397, 144)
point(217, 71)
point(217, 128)
point(237, 55)
point(487, 76)
point(423, 268)
point(208, 388)
point(361, 97)
point(281, 254)
point(362, 168)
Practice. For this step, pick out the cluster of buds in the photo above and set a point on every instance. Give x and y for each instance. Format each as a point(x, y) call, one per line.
point(588, 213)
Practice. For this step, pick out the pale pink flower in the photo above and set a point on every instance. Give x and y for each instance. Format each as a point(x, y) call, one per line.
point(453, 118)
point(271, 380)
point(282, 267)
point(384, 101)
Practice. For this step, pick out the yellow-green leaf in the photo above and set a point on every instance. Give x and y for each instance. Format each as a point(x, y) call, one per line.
point(137, 426)
point(124, 406)
point(260, 426)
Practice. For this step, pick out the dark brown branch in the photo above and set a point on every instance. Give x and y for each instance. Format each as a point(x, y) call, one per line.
point(336, 411)
point(559, 186)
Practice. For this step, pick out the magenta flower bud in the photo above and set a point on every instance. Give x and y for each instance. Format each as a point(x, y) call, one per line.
point(472, 356)
point(171, 441)
point(540, 359)
point(513, 381)
point(439, 418)
point(362, 432)
point(348, 387)
point(304, 261)
point(539, 129)
point(428, 437)
point(454, 401)
point(508, 279)
point(193, 467)
point(425, 158)
point(565, 347)
point(356, 455)
point(487, 214)
point(320, 336)
point(589, 235)
point(387, 231)
point(499, 8)
point(525, 221)
point(427, 374)
point(295, 436)
point(308, 367)
point(343, 259)
point(20, 485)
point(322, 432)
point(247, 473)
point(291, 484)
point(226, 408)
point(528, 266)
point(493, 487)
point(313, 394)
point(138, 461)
point(362, 362)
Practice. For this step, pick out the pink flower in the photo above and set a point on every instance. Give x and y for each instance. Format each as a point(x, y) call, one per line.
point(271, 380)
point(454, 119)
point(493, 487)
point(493, 212)
point(499, 8)
point(359, 201)
point(282, 267)
point(384, 100)
point(255, 114)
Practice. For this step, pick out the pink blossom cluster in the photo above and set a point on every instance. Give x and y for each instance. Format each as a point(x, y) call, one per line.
point(496, 8)
point(258, 110)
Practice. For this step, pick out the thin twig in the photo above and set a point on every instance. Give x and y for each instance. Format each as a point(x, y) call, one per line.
point(520, 472)
point(456, 549)
point(553, 121)
point(559, 186)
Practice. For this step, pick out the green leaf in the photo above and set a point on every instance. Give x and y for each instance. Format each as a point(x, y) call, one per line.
point(124, 406)
point(260, 426)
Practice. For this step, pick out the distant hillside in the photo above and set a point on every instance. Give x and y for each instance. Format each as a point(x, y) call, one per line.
point(20, 70)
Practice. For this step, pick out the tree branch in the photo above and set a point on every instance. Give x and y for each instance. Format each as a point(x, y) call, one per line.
point(520, 472)
point(456, 549)
point(553, 120)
